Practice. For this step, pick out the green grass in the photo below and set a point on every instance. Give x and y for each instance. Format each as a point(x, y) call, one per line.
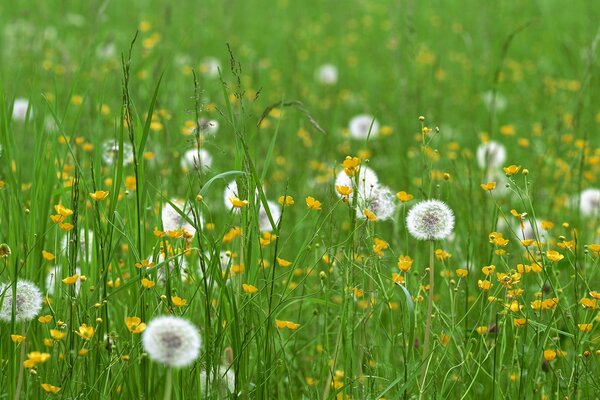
point(358, 334)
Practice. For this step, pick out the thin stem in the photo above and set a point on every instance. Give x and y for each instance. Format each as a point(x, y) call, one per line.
point(428, 324)
point(20, 379)
point(168, 384)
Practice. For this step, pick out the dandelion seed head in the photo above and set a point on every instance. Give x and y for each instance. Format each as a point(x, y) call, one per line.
point(172, 220)
point(209, 67)
point(367, 181)
point(28, 301)
point(589, 202)
point(380, 201)
point(208, 126)
point(220, 385)
point(327, 74)
point(430, 220)
point(360, 126)
point(172, 341)
point(196, 159)
point(110, 152)
point(19, 110)
point(491, 154)
point(264, 225)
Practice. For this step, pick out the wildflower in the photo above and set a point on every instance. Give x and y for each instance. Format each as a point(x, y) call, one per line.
point(488, 186)
point(196, 159)
point(351, 166)
point(147, 283)
point(591, 304)
point(367, 181)
point(430, 220)
point(404, 197)
point(585, 327)
point(327, 74)
point(511, 169)
point(34, 358)
point(5, 250)
point(28, 301)
point(589, 202)
point(56, 334)
point(110, 152)
point(379, 245)
point(461, 272)
point(135, 325)
point(20, 109)
point(283, 263)
point(237, 203)
point(249, 288)
point(178, 301)
point(44, 319)
point(17, 338)
point(286, 200)
point(172, 341)
point(208, 126)
point(71, 279)
point(313, 204)
point(519, 322)
point(46, 255)
point(144, 264)
point(484, 285)
point(48, 388)
point(344, 191)
point(405, 263)
point(554, 255)
point(85, 332)
point(362, 126)
point(549, 355)
point(99, 195)
point(482, 330)
point(286, 324)
point(491, 155)
point(209, 67)
point(379, 204)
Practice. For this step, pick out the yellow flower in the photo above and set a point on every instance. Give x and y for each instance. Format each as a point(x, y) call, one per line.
point(589, 303)
point(50, 388)
point(71, 279)
point(144, 264)
point(351, 165)
point(481, 330)
point(461, 272)
point(47, 255)
point(85, 332)
point(343, 190)
point(519, 322)
point(66, 227)
point(549, 355)
point(135, 325)
point(369, 215)
point(488, 186)
point(99, 195)
point(56, 334)
point(511, 169)
point(484, 285)
point(286, 200)
point(283, 263)
point(585, 327)
point(488, 270)
point(178, 301)
point(404, 197)
point(44, 319)
point(249, 288)
point(286, 324)
point(405, 263)
point(237, 203)
point(17, 338)
point(313, 204)
point(147, 283)
point(63, 211)
point(554, 255)
point(379, 245)
point(35, 358)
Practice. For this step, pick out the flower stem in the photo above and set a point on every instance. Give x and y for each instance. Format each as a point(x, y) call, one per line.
point(168, 384)
point(20, 378)
point(424, 360)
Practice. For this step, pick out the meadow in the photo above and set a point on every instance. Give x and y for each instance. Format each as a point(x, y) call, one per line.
point(299, 200)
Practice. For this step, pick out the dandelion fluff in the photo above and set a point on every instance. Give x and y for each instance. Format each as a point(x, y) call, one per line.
point(172, 220)
point(264, 225)
point(196, 158)
point(209, 67)
point(28, 301)
point(491, 154)
point(589, 203)
point(367, 181)
point(380, 201)
point(220, 385)
point(430, 220)
point(20, 108)
point(327, 74)
point(110, 152)
point(172, 341)
point(360, 126)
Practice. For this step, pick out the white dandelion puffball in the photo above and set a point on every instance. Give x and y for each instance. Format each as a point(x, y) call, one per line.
point(327, 74)
point(220, 385)
point(430, 220)
point(381, 201)
point(264, 225)
point(110, 152)
point(499, 102)
point(367, 181)
point(589, 203)
point(209, 67)
point(231, 190)
point(194, 158)
point(528, 232)
point(360, 126)
point(19, 111)
point(224, 262)
point(28, 301)
point(54, 280)
point(208, 126)
point(172, 341)
point(491, 154)
point(172, 220)
point(177, 266)
point(86, 244)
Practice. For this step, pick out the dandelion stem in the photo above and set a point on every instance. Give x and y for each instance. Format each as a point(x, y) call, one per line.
point(428, 323)
point(168, 384)
point(20, 378)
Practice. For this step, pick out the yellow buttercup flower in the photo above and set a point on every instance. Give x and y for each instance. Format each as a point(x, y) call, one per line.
point(99, 195)
point(135, 325)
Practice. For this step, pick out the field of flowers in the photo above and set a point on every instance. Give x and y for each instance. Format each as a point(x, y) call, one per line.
point(299, 200)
